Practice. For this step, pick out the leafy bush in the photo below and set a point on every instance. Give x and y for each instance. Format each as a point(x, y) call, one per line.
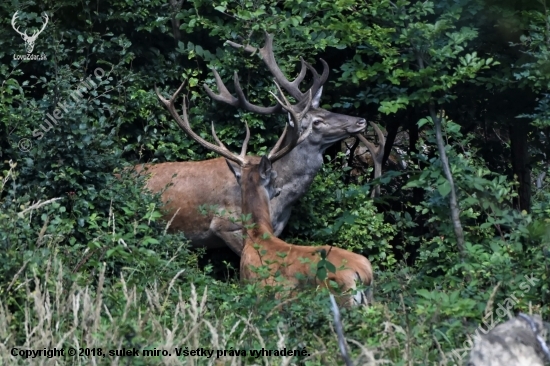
point(343, 215)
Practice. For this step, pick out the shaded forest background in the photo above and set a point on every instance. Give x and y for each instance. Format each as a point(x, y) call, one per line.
point(483, 67)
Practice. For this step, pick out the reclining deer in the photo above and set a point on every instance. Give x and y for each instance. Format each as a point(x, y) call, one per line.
point(256, 178)
point(210, 183)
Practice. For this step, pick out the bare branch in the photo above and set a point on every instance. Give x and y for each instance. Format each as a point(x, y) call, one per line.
point(38, 205)
point(340, 331)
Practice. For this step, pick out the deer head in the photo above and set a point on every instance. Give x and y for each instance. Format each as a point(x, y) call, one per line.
point(29, 40)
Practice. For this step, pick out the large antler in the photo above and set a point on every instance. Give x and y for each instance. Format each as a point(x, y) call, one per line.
point(13, 19)
point(184, 124)
point(296, 135)
point(377, 154)
point(45, 22)
point(292, 87)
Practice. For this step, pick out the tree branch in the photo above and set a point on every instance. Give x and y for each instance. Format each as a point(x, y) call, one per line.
point(455, 210)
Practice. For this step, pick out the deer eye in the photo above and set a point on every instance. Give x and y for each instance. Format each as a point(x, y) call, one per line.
point(317, 122)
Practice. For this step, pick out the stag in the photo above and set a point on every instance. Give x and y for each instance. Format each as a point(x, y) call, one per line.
point(29, 40)
point(209, 183)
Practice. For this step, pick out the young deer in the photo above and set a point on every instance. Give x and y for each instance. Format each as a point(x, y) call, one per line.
point(256, 177)
point(263, 248)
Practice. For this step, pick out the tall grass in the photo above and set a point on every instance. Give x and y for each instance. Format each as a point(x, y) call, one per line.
point(61, 315)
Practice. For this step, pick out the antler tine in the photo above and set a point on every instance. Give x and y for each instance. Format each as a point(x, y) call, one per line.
point(245, 142)
point(246, 105)
point(286, 105)
point(222, 145)
point(277, 145)
point(377, 153)
point(225, 96)
point(214, 134)
point(380, 134)
point(370, 146)
point(318, 80)
point(269, 59)
point(292, 87)
point(303, 114)
point(295, 126)
point(300, 116)
point(374, 150)
point(186, 127)
point(277, 153)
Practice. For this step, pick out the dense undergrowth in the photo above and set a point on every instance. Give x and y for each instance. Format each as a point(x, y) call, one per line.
point(136, 287)
point(87, 262)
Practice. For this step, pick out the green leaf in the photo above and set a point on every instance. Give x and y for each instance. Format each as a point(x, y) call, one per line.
point(422, 122)
point(330, 267)
point(425, 293)
point(322, 274)
point(444, 189)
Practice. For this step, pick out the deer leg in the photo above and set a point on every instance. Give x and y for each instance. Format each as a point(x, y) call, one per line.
point(233, 239)
point(229, 231)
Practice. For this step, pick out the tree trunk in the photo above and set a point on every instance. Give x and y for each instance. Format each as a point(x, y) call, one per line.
point(175, 7)
point(391, 127)
point(418, 193)
point(455, 210)
point(520, 162)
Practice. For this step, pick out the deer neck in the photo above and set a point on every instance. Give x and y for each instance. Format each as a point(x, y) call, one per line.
point(255, 202)
point(296, 172)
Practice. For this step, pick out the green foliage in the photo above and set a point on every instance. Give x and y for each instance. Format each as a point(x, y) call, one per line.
point(70, 230)
point(498, 237)
point(335, 213)
point(416, 50)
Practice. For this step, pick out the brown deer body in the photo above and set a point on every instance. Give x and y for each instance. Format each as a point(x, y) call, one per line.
point(262, 247)
point(209, 183)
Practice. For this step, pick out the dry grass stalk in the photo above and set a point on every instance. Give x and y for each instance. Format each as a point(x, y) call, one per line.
point(78, 317)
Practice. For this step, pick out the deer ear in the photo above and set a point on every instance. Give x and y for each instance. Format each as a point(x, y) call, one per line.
point(317, 98)
point(235, 169)
point(265, 168)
